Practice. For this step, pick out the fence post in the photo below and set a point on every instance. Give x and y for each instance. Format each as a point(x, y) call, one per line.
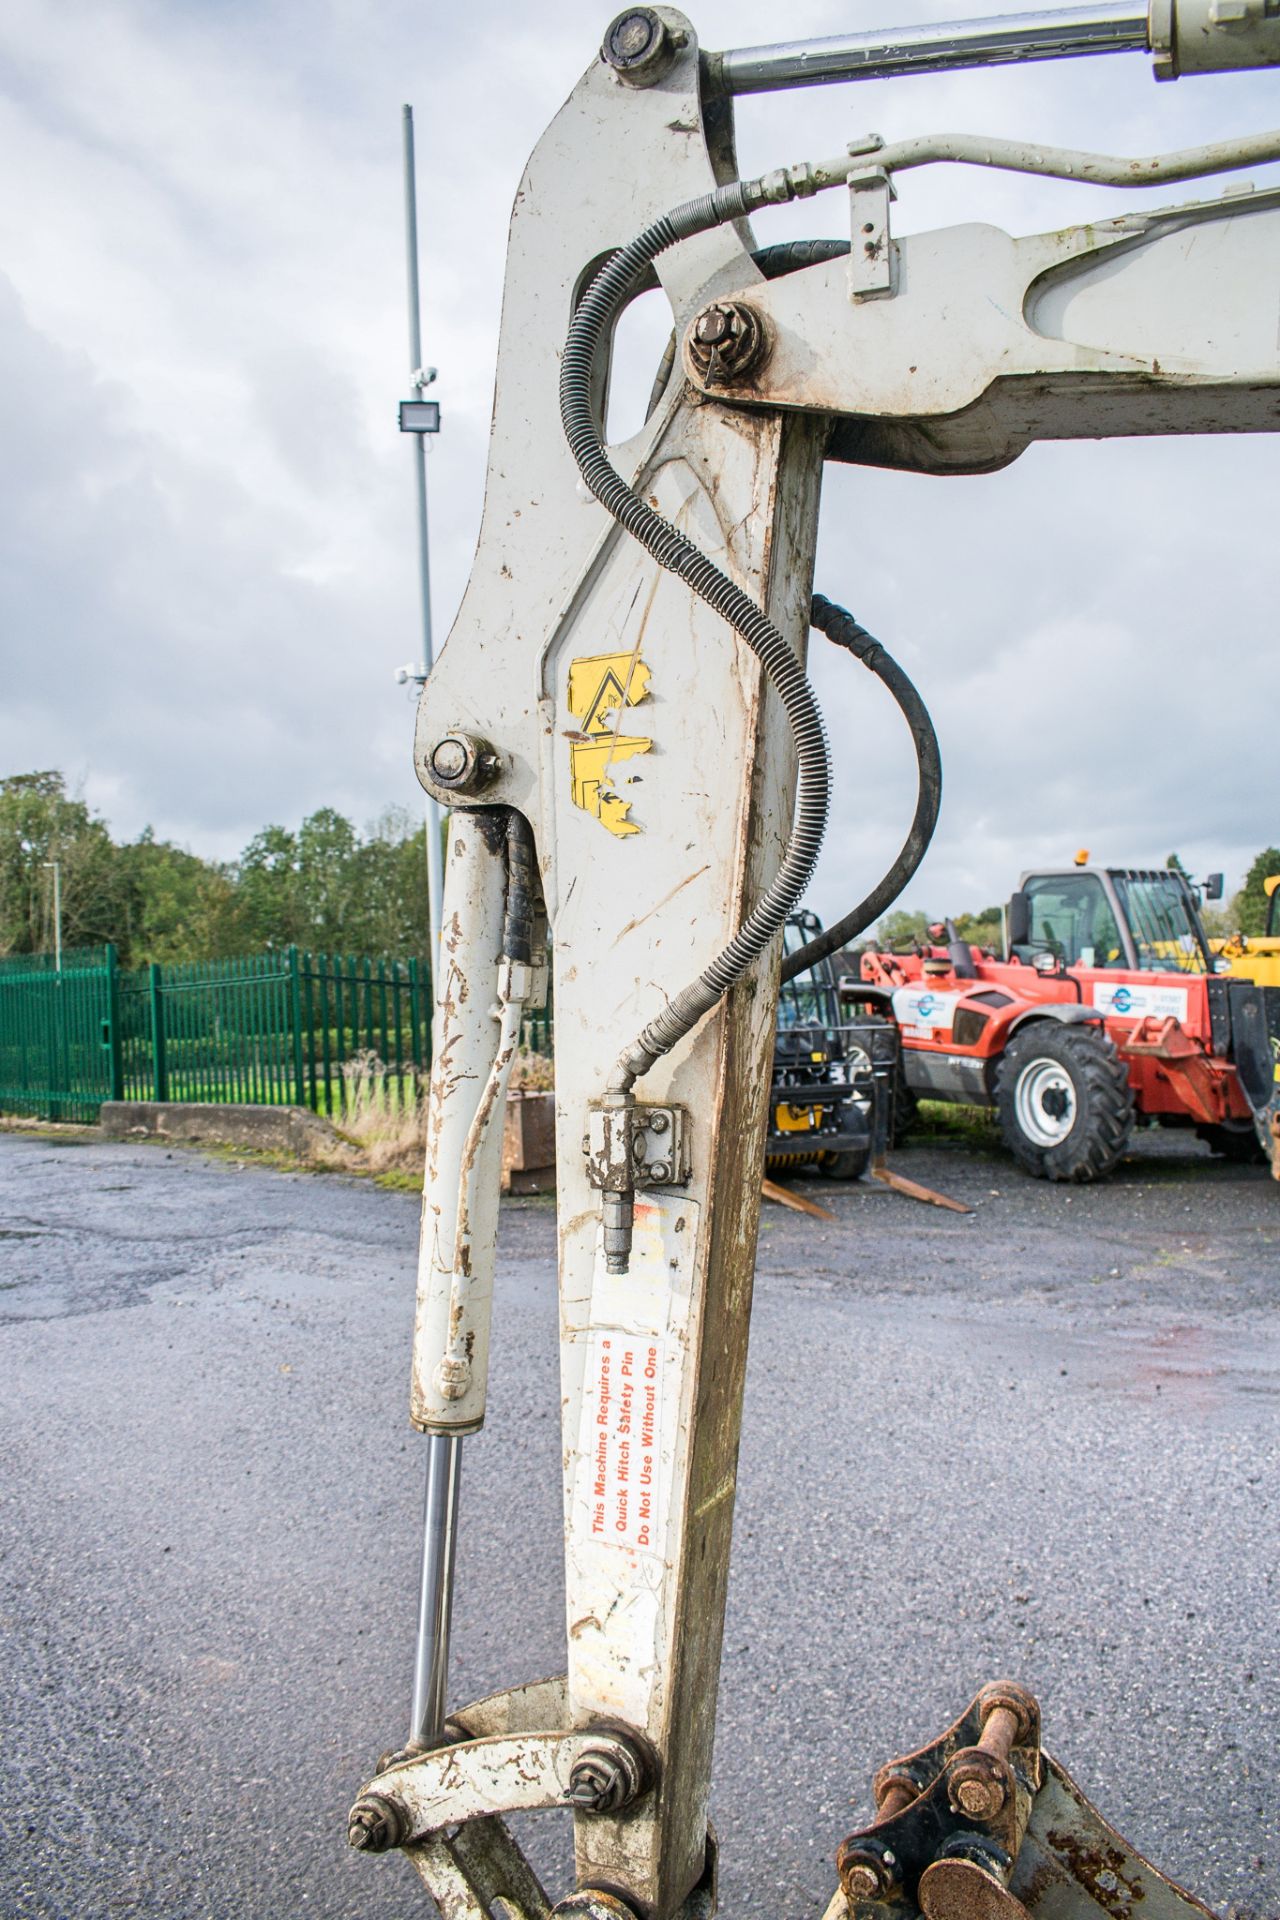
point(295, 1021)
point(159, 1070)
point(415, 1003)
point(113, 1036)
point(52, 1051)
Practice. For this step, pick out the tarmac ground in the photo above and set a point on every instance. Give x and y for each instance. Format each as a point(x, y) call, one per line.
point(1038, 1440)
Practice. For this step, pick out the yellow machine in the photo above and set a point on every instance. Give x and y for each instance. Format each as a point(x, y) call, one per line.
point(1256, 956)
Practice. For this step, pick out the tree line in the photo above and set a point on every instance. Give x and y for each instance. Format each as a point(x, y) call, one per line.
point(326, 886)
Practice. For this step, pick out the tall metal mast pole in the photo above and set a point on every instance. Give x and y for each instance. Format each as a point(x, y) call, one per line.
point(444, 1455)
point(421, 378)
point(57, 913)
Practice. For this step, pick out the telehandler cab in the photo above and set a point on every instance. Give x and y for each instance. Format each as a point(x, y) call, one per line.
point(622, 724)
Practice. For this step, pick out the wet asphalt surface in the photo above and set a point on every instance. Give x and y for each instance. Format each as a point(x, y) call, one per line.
point(1039, 1441)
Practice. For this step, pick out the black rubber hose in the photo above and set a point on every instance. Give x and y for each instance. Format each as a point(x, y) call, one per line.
point(671, 549)
point(845, 631)
point(517, 919)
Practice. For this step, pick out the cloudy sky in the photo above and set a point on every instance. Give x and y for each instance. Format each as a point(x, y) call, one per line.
point(207, 568)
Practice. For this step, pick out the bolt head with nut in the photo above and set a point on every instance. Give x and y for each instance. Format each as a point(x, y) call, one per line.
point(460, 763)
point(603, 1782)
point(862, 1882)
point(376, 1823)
point(639, 46)
point(977, 1783)
point(869, 1871)
point(728, 340)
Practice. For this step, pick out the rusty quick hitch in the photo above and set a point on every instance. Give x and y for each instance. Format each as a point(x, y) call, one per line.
point(951, 1817)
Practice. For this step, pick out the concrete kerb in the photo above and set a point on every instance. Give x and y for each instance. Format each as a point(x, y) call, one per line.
point(290, 1130)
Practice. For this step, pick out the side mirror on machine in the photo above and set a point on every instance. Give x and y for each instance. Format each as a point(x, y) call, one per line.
point(1213, 886)
point(1019, 920)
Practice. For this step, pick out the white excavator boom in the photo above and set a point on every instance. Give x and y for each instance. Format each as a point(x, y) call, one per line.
point(619, 721)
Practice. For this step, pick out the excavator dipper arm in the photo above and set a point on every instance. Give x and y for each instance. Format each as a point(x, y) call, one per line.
point(617, 721)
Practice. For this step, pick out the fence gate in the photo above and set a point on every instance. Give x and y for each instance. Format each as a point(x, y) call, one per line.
point(59, 1037)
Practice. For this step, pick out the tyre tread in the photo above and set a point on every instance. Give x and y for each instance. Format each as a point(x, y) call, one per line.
point(1106, 1106)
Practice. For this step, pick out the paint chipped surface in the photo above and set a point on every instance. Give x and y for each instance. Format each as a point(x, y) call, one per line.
point(601, 687)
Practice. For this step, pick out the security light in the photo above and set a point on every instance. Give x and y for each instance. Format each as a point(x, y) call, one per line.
point(419, 416)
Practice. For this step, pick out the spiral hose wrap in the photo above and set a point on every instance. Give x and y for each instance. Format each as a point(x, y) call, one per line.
point(603, 299)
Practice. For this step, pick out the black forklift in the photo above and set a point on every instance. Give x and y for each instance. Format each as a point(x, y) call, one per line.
point(834, 1068)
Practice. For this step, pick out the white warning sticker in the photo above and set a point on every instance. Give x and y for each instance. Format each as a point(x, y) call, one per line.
point(622, 1436)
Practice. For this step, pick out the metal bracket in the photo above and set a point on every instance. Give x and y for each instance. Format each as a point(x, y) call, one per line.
point(636, 1147)
point(871, 254)
point(952, 1814)
point(984, 1825)
point(599, 1769)
point(442, 1808)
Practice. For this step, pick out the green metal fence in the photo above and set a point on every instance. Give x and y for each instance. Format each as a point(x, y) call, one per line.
point(59, 1042)
point(286, 1028)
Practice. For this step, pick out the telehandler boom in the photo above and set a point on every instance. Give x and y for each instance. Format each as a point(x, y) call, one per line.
point(622, 725)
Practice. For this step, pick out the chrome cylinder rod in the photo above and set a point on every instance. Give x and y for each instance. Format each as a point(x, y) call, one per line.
point(1110, 26)
point(435, 1600)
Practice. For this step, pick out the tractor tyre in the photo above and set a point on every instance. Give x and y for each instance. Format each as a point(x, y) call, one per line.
point(1063, 1101)
point(845, 1166)
point(1238, 1143)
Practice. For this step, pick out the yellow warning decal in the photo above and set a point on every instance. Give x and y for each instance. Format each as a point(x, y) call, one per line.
point(600, 687)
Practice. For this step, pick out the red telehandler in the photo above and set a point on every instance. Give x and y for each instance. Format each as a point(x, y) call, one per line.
point(1106, 1008)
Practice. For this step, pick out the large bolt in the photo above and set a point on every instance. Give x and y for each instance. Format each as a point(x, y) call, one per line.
point(714, 328)
point(861, 1881)
point(461, 763)
point(639, 46)
point(728, 340)
point(449, 760)
point(1010, 1716)
point(894, 1788)
point(376, 1823)
point(977, 1790)
point(868, 1871)
point(590, 1903)
point(978, 1778)
point(605, 1779)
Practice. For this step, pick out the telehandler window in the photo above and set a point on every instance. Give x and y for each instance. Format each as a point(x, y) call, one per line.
point(1166, 937)
point(1071, 917)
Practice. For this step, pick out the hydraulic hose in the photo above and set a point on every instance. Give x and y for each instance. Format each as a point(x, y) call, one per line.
point(603, 299)
point(846, 632)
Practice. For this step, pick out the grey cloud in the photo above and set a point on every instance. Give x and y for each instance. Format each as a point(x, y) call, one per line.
point(206, 548)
